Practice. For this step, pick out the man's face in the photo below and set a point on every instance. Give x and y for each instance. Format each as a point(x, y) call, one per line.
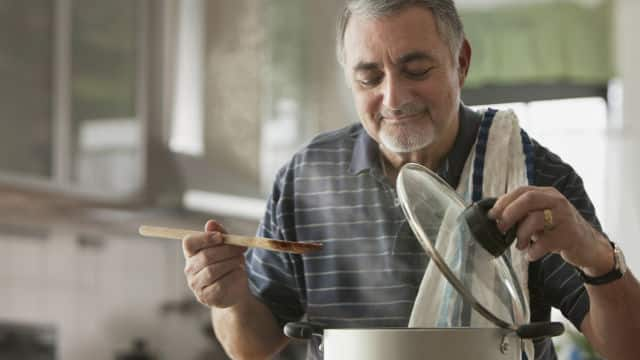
point(404, 81)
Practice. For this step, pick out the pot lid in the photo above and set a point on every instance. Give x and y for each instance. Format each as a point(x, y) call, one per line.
point(483, 281)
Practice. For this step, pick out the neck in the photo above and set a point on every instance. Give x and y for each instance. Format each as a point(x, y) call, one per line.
point(430, 156)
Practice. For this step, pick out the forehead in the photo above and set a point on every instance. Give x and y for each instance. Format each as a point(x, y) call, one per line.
point(372, 40)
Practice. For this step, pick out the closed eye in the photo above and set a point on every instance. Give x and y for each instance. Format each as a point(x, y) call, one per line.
point(370, 82)
point(418, 73)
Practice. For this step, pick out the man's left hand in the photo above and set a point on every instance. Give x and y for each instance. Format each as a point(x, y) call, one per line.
point(563, 231)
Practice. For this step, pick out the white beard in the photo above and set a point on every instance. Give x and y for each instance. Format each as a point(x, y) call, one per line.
point(406, 137)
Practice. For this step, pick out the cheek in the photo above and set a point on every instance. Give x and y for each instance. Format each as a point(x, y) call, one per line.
point(443, 98)
point(441, 102)
point(367, 110)
point(367, 106)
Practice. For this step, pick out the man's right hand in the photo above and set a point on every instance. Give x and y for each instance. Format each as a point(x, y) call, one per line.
point(215, 272)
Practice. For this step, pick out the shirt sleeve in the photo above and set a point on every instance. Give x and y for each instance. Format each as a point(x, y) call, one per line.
point(558, 283)
point(275, 277)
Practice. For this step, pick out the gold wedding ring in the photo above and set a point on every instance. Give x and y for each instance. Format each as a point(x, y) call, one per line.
point(548, 220)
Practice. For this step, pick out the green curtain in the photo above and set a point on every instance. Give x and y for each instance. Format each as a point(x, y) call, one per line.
point(553, 42)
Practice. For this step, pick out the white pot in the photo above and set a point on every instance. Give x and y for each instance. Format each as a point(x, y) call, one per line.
point(421, 344)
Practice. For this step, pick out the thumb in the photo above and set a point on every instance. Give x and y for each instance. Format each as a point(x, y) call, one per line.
point(213, 225)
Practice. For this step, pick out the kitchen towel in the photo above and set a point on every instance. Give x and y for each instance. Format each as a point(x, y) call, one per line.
point(500, 161)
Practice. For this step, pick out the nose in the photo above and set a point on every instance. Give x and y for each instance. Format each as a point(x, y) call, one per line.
point(395, 93)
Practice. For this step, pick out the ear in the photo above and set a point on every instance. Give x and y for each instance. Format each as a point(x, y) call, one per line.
point(464, 61)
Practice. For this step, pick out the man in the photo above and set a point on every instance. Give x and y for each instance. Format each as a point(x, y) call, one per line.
point(405, 62)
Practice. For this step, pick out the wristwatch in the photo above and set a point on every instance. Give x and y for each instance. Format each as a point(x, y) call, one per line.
point(619, 268)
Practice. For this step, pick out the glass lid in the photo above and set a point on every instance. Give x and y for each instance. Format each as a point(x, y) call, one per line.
point(475, 278)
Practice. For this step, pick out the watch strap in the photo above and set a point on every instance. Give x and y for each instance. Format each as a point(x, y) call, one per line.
point(613, 275)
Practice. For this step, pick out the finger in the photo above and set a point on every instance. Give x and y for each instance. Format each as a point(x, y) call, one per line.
point(214, 226)
point(528, 201)
point(532, 223)
point(212, 273)
point(193, 243)
point(537, 248)
point(208, 256)
point(220, 294)
point(496, 211)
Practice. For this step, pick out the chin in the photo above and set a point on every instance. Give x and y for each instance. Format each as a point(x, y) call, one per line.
point(405, 144)
point(406, 140)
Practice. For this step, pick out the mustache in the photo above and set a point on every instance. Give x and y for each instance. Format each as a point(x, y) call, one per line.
point(407, 109)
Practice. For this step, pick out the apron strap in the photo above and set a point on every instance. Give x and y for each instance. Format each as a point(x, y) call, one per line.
point(481, 148)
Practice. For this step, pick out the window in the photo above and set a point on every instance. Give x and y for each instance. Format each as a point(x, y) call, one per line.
point(71, 113)
point(26, 91)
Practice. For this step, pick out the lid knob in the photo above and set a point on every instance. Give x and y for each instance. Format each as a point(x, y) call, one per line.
point(485, 230)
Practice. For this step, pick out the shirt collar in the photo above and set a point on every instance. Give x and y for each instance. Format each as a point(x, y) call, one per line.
point(366, 154)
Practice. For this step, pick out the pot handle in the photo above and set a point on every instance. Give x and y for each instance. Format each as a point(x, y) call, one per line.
point(542, 329)
point(302, 330)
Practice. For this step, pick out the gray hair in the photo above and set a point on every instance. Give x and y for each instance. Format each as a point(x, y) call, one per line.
point(448, 21)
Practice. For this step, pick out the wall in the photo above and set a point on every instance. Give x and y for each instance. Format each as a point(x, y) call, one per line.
point(232, 90)
point(100, 294)
point(623, 195)
point(332, 102)
point(628, 58)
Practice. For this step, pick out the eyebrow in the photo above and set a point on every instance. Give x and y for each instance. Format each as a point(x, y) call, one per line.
point(366, 66)
point(406, 58)
point(416, 56)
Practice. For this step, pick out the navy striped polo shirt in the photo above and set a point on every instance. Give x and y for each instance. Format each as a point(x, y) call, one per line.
point(371, 265)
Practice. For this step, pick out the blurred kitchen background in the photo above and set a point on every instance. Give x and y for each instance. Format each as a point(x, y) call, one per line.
point(169, 112)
